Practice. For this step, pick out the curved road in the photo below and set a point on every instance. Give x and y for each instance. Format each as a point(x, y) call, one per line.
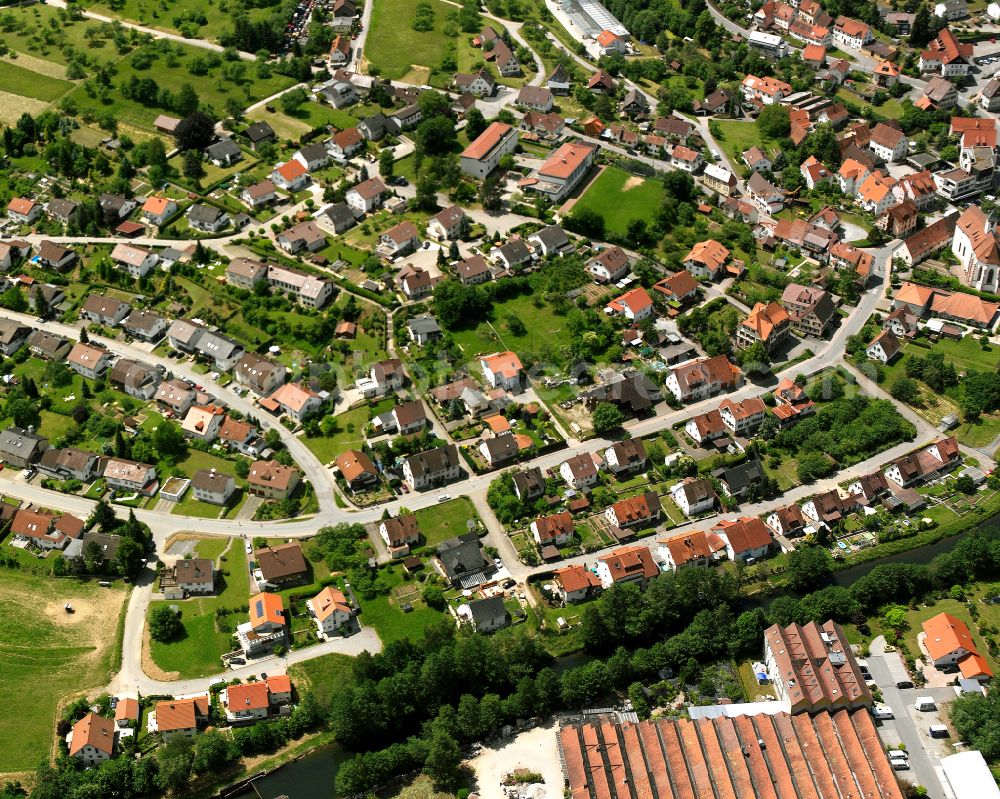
point(131, 676)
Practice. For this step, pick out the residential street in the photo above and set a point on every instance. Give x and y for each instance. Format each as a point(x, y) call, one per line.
point(132, 678)
point(903, 728)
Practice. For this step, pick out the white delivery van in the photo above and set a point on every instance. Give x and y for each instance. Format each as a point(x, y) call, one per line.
point(882, 712)
point(925, 703)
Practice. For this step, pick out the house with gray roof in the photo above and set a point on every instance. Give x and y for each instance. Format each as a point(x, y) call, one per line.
point(145, 325)
point(336, 218)
point(70, 463)
point(423, 328)
point(224, 153)
point(21, 448)
point(49, 346)
point(13, 336)
point(461, 561)
point(184, 335)
point(221, 351)
point(207, 218)
point(485, 615)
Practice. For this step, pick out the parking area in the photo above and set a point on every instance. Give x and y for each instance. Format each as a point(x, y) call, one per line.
point(910, 726)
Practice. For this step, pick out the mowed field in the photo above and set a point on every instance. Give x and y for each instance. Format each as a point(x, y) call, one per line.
point(18, 80)
point(620, 197)
point(47, 654)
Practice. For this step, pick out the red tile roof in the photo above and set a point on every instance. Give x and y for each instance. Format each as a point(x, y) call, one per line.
point(768, 755)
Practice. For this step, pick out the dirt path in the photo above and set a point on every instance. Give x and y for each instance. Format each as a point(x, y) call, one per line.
point(580, 190)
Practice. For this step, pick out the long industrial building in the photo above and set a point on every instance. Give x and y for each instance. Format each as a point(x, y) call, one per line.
point(824, 756)
point(592, 17)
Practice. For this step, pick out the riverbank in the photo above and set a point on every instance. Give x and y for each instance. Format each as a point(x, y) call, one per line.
point(319, 752)
point(240, 774)
point(925, 538)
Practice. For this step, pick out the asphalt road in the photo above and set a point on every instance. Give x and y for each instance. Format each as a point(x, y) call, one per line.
point(923, 764)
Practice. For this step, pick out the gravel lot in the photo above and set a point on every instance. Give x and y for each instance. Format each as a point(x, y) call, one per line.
point(535, 750)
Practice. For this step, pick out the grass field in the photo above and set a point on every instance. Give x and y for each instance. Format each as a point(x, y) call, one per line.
point(48, 654)
point(323, 675)
point(544, 332)
point(620, 197)
point(349, 435)
point(394, 47)
point(48, 33)
point(739, 136)
point(446, 520)
point(197, 653)
point(166, 14)
point(384, 615)
point(44, 32)
point(966, 354)
point(310, 115)
point(172, 72)
point(18, 80)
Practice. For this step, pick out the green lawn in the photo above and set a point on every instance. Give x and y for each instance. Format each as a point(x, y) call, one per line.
point(738, 136)
point(786, 474)
point(620, 197)
point(197, 653)
point(979, 433)
point(54, 426)
point(545, 332)
point(310, 115)
point(18, 80)
point(349, 435)
point(890, 109)
point(445, 520)
point(195, 460)
point(212, 548)
point(965, 354)
point(48, 655)
point(391, 624)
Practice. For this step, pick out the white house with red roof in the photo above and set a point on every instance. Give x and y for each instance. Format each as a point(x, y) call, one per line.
point(330, 609)
point(852, 33)
point(290, 176)
point(634, 305)
point(92, 740)
point(765, 90)
point(158, 210)
point(503, 370)
point(24, 211)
